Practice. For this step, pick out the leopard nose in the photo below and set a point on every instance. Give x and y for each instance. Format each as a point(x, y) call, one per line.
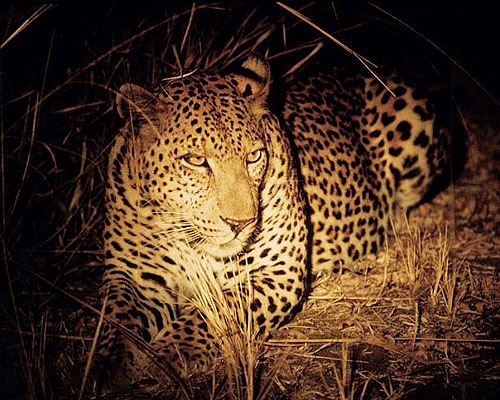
point(237, 225)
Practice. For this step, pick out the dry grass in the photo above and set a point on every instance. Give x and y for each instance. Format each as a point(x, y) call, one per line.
point(423, 315)
point(229, 319)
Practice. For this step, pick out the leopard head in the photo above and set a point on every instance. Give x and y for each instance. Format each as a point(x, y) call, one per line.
point(199, 155)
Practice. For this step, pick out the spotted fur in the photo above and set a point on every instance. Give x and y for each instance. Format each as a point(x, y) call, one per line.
point(203, 172)
point(366, 158)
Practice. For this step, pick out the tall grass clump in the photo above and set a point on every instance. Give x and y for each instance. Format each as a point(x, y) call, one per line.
point(227, 313)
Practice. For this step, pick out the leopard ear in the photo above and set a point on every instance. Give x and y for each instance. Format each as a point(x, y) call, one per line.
point(253, 79)
point(133, 100)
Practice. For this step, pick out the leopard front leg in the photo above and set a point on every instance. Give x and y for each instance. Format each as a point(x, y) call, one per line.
point(136, 320)
point(187, 343)
point(192, 342)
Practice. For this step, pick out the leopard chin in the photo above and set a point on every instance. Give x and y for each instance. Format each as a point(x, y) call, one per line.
point(226, 250)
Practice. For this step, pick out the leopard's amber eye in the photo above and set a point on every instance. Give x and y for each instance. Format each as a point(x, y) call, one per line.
point(195, 160)
point(254, 156)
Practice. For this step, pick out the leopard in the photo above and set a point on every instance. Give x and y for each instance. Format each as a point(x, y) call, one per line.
point(205, 175)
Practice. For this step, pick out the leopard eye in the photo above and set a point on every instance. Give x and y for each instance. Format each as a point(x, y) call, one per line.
point(195, 160)
point(254, 156)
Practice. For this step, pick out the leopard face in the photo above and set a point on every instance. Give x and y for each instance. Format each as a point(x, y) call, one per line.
point(200, 162)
